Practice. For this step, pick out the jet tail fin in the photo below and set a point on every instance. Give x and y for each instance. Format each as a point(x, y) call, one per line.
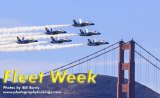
point(22, 38)
point(86, 30)
point(18, 38)
point(94, 40)
point(79, 20)
point(53, 39)
point(81, 31)
point(89, 41)
point(47, 29)
point(75, 22)
point(51, 29)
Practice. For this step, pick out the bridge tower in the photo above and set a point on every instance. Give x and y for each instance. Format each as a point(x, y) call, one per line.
point(126, 89)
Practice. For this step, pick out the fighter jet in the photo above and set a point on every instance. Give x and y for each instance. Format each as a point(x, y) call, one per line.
point(25, 41)
point(81, 24)
point(88, 33)
point(57, 41)
point(96, 43)
point(53, 32)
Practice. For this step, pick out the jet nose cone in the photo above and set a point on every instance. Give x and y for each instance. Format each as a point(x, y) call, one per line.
point(107, 43)
point(92, 24)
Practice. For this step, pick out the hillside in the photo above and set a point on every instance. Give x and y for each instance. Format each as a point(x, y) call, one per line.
point(104, 88)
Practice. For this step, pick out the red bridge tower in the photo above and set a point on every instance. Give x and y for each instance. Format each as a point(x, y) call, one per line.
point(126, 89)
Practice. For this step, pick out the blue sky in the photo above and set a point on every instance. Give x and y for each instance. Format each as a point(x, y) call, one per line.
point(115, 19)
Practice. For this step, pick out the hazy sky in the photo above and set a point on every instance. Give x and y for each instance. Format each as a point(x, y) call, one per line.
point(115, 19)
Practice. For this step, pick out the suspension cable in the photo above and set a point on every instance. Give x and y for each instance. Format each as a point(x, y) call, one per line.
point(90, 58)
point(147, 52)
point(147, 60)
point(84, 57)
